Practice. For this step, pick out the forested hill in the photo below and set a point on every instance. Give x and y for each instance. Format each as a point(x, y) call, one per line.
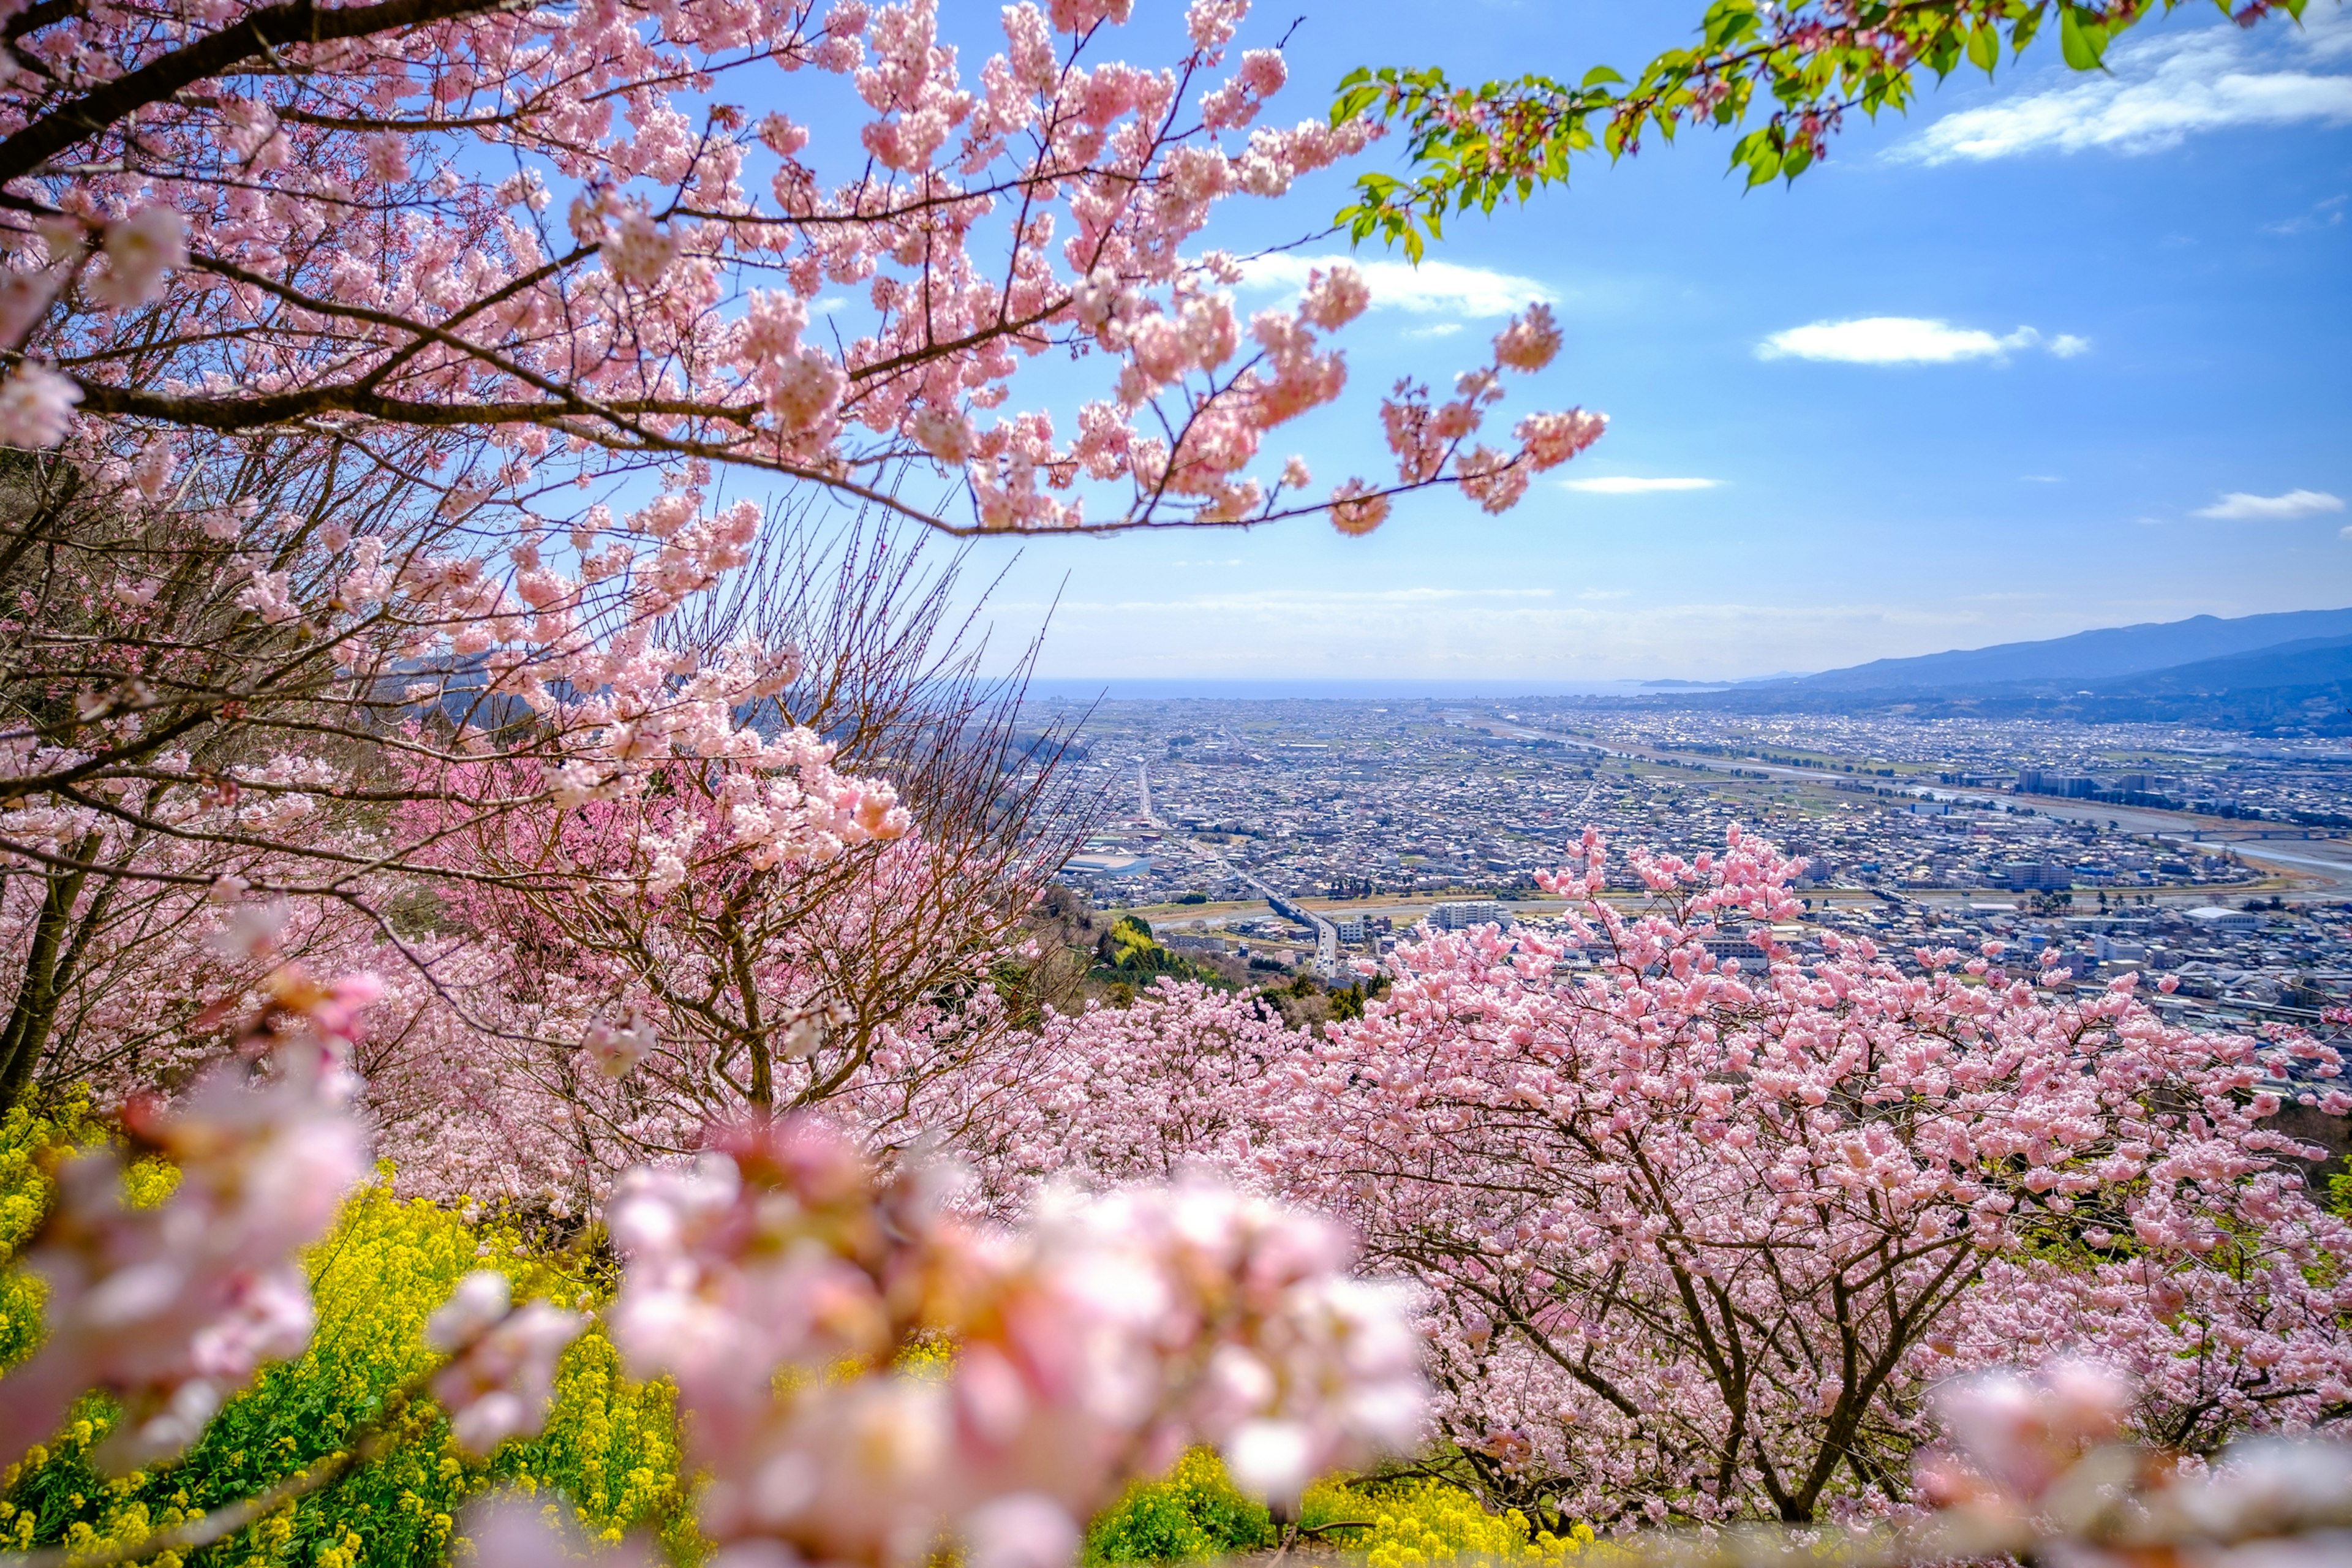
point(2086, 656)
point(2278, 674)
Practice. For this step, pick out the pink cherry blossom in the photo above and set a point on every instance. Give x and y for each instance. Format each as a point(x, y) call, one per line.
point(1531, 342)
point(1356, 507)
point(502, 1375)
point(37, 408)
point(1610, 1159)
point(171, 1308)
point(1334, 298)
point(140, 251)
point(1090, 1346)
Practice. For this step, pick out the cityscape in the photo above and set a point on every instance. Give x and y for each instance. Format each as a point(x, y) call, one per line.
point(1307, 835)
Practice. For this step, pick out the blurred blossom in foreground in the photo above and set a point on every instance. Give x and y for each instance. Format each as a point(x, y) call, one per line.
point(509, 1530)
point(170, 1308)
point(1089, 1349)
point(501, 1372)
point(2033, 1466)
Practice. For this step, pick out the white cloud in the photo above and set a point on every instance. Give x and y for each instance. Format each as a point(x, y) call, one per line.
point(2238, 505)
point(2326, 31)
point(1631, 485)
point(1906, 340)
point(2039, 479)
point(1432, 289)
point(1434, 330)
point(2157, 90)
point(2322, 215)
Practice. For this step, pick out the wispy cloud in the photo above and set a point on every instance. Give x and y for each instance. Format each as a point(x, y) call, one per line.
point(2324, 214)
point(1907, 339)
point(1635, 485)
point(1432, 289)
point(2240, 506)
point(2157, 91)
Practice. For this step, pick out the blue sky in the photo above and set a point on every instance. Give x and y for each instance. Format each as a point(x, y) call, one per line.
point(2053, 353)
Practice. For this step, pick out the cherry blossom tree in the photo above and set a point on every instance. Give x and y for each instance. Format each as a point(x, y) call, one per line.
point(1697, 1236)
point(426, 215)
point(1699, 1233)
point(1149, 1091)
point(380, 377)
point(605, 981)
point(163, 738)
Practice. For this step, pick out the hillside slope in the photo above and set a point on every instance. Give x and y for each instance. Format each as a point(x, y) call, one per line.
point(2084, 658)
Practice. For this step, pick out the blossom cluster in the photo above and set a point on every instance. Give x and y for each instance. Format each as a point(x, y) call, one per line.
point(2039, 1462)
point(170, 1308)
point(1089, 1347)
point(638, 291)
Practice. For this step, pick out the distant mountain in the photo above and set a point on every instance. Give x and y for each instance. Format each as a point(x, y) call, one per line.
point(2314, 662)
point(2280, 685)
point(2082, 659)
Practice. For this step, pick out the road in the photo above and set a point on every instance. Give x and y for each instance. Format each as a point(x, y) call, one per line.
point(1326, 935)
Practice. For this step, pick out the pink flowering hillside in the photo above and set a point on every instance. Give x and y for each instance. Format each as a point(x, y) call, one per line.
point(1695, 1238)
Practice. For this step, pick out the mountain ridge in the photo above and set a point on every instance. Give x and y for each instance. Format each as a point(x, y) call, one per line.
point(2103, 653)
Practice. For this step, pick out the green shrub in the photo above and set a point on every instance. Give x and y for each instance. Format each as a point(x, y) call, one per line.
point(610, 1446)
point(1408, 1523)
point(1196, 1512)
point(25, 1139)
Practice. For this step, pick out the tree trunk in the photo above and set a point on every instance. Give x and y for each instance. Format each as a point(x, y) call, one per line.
point(36, 994)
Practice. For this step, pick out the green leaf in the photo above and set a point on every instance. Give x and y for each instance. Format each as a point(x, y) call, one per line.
point(2081, 40)
point(1728, 22)
point(2021, 31)
point(1599, 74)
point(1984, 48)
